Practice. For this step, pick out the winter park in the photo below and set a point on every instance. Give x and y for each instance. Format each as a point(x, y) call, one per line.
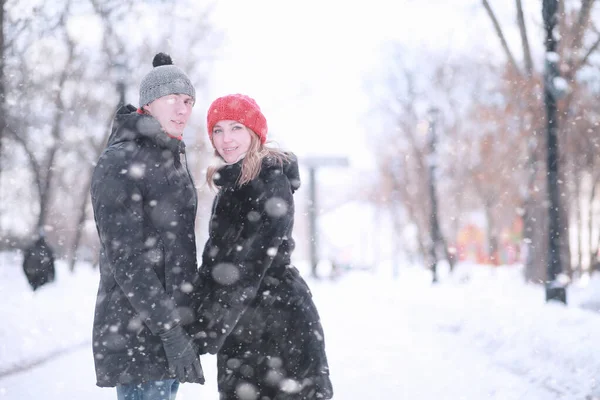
point(271, 200)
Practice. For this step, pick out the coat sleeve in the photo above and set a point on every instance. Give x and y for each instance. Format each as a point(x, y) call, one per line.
point(118, 200)
point(237, 278)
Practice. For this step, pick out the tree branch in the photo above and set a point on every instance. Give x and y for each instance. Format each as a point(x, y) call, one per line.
point(524, 40)
point(587, 55)
point(582, 22)
point(30, 155)
point(498, 29)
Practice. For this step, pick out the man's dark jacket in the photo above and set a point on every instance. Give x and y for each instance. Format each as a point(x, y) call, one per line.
point(144, 204)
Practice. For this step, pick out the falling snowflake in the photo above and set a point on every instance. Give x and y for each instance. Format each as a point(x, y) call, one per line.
point(137, 170)
point(290, 386)
point(273, 377)
point(134, 325)
point(275, 362)
point(246, 391)
point(234, 363)
point(560, 84)
point(253, 216)
point(276, 207)
point(552, 56)
point(318, 335)
point(154, 255)
point(225, 273)
point(187, 287)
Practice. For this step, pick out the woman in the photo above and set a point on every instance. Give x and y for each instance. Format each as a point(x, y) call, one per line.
point(257, 314)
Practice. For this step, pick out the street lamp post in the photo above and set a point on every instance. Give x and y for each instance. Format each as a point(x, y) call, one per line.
point(312, 221)
point(314, 163)
point(433, 114)
point(554, 290)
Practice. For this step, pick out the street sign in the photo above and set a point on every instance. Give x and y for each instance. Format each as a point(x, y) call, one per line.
point(324, 161)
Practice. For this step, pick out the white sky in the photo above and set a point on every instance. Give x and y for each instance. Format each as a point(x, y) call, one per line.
point(306, 62)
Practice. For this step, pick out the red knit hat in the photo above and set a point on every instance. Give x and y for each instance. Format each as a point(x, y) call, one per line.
point(240, 108)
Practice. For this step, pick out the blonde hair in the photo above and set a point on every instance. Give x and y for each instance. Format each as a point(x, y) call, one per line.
point(252, 162)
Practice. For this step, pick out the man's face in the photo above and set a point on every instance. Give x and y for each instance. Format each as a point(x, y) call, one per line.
point(172, 112)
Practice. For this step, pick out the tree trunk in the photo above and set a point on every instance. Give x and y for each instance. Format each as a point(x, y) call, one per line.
point(46, 184)
point(592, 250)
point(80, 225)
point(565, 245)
point(2, 89)
point(535, 235)
point(557, 217)
point(411, 213)
point(85, 197)
point(579, 221)
point(450, 257)
point(492, 236)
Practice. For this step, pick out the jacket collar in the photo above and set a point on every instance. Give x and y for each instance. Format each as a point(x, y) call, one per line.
point(129, 125)
point(228, 175)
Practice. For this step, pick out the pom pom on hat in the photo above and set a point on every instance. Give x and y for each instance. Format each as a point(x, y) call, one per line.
point(164, 79)
point(240, 108)
point(162, 59)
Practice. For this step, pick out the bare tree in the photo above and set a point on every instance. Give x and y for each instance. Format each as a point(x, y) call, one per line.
point(2, 87)
point(403, 163)
point(61, 112)
point(134, 59)
point(573, 31)
point(43, 167)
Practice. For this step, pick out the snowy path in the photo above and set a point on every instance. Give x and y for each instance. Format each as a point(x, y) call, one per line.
point(388, 340)
point(420, 365)
point(411, 353)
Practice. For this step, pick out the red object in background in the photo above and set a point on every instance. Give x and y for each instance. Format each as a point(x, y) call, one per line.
point(471, 245)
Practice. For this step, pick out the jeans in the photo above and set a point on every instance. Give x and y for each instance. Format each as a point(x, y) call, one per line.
point(155, 390)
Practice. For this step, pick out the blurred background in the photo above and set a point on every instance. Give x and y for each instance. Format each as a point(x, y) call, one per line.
point(449, 165)
point(420, 127)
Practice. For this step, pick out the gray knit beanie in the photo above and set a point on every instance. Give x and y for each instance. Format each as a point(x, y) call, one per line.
point(164, 79)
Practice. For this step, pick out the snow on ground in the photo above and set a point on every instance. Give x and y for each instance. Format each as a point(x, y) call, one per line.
point(479, 334)
point(53, 319)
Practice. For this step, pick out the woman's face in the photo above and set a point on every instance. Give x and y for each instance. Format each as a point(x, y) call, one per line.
point(231, 140)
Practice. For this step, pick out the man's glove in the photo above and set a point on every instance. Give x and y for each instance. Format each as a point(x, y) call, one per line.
point(183, 359)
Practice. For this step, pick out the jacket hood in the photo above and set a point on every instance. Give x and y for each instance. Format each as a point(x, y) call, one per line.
point(129, 125)
point(290, 169)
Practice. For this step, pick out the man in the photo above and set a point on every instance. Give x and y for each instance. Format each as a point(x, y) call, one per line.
point(144, 204)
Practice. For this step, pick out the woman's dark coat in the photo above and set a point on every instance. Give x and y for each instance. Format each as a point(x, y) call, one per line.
point(144, 204)
point(258, 312)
